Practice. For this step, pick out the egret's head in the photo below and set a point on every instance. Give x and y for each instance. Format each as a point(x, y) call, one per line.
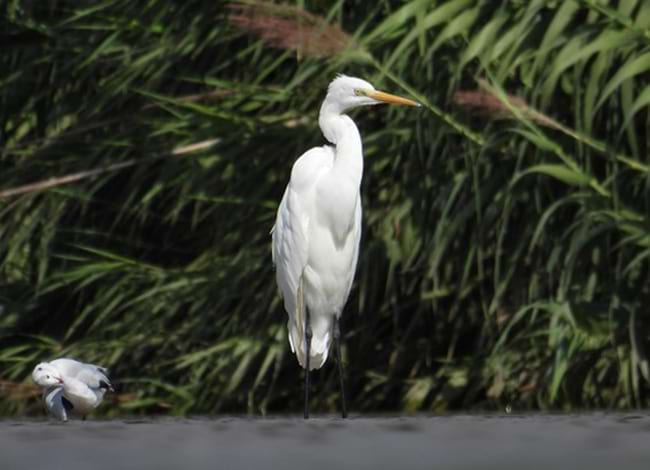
point(46, 375)
point(345, 93)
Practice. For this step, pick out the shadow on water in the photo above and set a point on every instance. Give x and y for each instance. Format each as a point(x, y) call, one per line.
point(593, 441)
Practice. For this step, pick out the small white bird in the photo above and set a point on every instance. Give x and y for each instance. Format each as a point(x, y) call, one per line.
point(318, 228)
point(71, 387)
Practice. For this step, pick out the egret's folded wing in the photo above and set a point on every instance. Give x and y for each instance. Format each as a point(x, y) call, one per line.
point(290, 249)
point(291, 233)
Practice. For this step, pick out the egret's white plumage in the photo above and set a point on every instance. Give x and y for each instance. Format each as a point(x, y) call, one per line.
point(71, 386)
point(318, 225)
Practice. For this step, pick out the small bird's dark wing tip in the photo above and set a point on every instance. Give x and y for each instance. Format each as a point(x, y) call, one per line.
point(67, 404)
point(106, 386)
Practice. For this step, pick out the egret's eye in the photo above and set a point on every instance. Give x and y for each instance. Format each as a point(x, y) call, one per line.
point(359, 92)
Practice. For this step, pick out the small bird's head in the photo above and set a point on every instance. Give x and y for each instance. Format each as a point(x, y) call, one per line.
point(345, 93)
point(46, 375)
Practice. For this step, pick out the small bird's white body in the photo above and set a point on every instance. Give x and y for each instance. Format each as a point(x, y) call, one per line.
point(318, 225)
point(71, 387)
point(83, 397)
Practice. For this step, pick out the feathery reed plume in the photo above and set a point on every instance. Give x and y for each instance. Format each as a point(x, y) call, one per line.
point(17, 391)
point(487, 103)
point(289, 27)
point(53, 182)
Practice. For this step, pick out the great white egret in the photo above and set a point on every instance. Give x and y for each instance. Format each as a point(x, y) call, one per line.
point(71, 387)
point(318, 228)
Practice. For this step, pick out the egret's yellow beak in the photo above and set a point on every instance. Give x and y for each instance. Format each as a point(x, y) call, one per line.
point(391, 99)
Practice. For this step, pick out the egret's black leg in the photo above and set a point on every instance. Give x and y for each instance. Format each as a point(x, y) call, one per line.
point(308, 335)
point(83, 418)
point(339, 361)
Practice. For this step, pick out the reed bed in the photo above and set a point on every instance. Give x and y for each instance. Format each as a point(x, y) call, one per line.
point(145, 146)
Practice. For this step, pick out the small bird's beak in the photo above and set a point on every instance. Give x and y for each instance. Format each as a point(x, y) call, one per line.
point(391, 99)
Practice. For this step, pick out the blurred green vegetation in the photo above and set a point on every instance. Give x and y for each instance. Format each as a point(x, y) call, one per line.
point(144, 147)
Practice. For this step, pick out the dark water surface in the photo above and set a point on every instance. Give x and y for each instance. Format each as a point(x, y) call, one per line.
point(589, 441)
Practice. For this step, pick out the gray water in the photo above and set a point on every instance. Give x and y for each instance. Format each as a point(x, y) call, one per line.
point(591, 441)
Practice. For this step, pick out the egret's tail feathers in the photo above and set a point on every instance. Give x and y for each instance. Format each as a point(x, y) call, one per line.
point(320, 341)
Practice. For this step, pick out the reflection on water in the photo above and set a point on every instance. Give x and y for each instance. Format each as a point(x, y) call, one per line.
point(590, 441)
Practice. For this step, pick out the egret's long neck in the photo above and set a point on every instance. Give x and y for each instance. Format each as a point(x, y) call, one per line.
point(341, 130)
